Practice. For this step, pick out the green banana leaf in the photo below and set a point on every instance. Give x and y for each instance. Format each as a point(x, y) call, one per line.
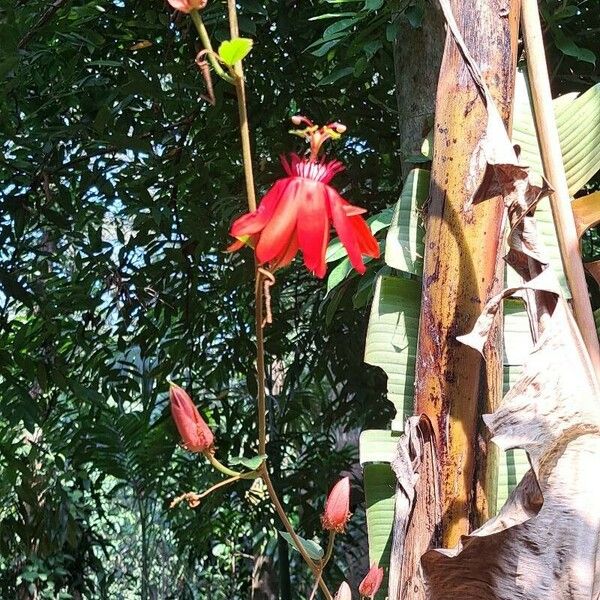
point(392, 339)
point(404, 242)
point(391, 344)
point(377, 448)
point(578, 123)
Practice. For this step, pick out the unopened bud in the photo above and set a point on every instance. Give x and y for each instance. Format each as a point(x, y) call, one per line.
point(370, 585)
point(188, 6)
point(344, 592)
point(195, 433)
point(337, 507)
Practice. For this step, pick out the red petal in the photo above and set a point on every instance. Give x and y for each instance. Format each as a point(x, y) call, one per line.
point(255, 221)
point(345, 230)
point(248, 240)
point(313, 227)
point(352, 210)
point(366, 240)
point(275, 237)
point(288, 256)
point(234, 246)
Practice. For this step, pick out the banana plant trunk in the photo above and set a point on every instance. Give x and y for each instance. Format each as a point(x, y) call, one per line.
point(463, 266)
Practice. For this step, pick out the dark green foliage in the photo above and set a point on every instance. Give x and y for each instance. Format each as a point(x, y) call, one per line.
point(119, 181)
point(119, 184)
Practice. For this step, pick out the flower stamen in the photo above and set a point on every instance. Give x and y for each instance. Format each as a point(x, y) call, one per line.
point(317, 135)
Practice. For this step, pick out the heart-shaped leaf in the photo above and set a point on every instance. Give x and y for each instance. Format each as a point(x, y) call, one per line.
point(232, 51)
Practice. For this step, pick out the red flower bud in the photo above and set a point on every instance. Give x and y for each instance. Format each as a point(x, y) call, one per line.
point(337, 507)
point(187, 6)
point(370, 585)
point(195, 433)
point(344, 592)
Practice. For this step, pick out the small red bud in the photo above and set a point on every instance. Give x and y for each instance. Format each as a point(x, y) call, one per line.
point(337, 507)
point(187, 6)
point(297, 120)
point(370, 585)
point(344, 592)
point(195, 433)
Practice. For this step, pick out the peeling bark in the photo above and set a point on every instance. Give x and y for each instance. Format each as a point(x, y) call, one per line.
point(544, 543)
point(417, 509)
point(462, 263)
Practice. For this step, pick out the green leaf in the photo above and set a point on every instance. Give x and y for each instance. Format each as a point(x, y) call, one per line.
point(570, 48)
point(250, 463)
point(87, 393)
point(371, 48)
point(415, 14)
point(392, 339)
point(337, 74)
point(232, 51)
point(517, 346)
point(577, 119)
point(339, 26)
point(333, 302)
point(377, 449)
point(338, 274)
point(332, 16)
point(366, 286)
point(404, 242)
point(380, 488)
point(324, 46)
point(514, 463)
point(327, 46)
point(13, 287)
point(311, 548)
point(565, 12)
point(391, 31)
point(378, 445)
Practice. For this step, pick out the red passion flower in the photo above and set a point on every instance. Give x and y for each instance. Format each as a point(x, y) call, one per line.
point(195, 433)
point(298, 210)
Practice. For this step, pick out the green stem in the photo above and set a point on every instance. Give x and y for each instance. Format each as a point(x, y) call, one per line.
point(314, 567)
point(221, 467)
point(323, 563)
point(240, 91)
point(258, 305)
point(228, 481)
point(205, 39)
point(329, 550)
